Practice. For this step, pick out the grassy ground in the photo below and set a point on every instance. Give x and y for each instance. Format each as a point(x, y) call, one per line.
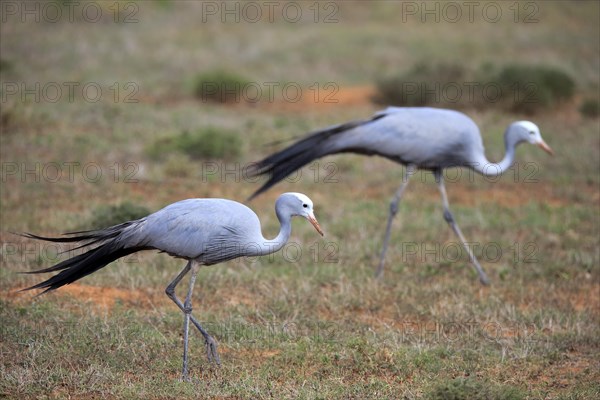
point(310, 321)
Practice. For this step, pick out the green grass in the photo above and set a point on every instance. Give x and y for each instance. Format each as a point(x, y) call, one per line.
point(219, 86)
point(470, 388)
point(319, 326)
point(105, 216)
point(205, 144)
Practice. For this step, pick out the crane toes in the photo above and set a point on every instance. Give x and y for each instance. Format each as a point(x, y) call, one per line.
point(484, 280)
point(185, 377)
point(211, 350)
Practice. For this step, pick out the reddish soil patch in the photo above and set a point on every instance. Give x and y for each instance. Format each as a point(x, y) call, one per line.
point(101, 298)
point(506, 194)
point(323, 98)
point(385, 315)
point(104, 298)
point(568, 372)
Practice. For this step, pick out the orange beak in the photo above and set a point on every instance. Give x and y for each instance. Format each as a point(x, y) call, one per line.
point(545, 147)
point(315, 223)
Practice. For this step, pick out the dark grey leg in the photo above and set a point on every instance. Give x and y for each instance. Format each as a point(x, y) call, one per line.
point(393, 210)
point(187, 311)
point(211, 344)
point(450, 219)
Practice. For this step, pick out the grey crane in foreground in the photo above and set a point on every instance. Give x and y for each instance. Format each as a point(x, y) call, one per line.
point(419, 137)
point(202, 231)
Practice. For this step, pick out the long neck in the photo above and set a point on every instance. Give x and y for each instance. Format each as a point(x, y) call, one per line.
point(273, 245)
point(487, 168)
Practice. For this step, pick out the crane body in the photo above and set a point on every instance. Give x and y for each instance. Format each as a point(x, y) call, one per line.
point(201, 231)
point(417, 137)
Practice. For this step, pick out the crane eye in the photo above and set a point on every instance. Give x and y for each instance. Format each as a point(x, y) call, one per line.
point(305, 205)
point(531, 132)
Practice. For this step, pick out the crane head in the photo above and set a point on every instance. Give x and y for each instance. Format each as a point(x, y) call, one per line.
point(298, 204)
point(528, 131)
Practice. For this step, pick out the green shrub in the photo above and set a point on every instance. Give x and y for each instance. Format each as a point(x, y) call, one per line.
point(7, 119)
point(219, 86)
point(590, 108)
point(473, 389)
point(420, 86)
point(210, 142)
point(17, 116)
point(517, 88)
point(529, 89)
point(5, 65)
point(105, 215)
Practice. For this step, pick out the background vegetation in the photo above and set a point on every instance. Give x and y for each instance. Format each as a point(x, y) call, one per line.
point(517, 88)
point(310, 321)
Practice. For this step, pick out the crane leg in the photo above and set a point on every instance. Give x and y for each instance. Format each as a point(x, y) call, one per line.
point(450, 219)
point(187, 311)
point(186, 307)
point(393, 210)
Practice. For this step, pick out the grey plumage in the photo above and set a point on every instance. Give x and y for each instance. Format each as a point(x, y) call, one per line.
point(421, 137)
point(202, 231)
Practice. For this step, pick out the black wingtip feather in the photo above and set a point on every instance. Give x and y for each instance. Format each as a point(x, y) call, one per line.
point(46, 238)
point(313, 146)
point(107, 250)
point(82, 265)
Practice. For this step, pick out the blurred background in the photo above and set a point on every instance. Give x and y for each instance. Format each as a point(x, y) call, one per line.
point(111, 110)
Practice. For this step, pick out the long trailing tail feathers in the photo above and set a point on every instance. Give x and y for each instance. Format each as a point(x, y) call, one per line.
point(87, 238)
point(82, 265)
point(299, 154)
point(108, 249)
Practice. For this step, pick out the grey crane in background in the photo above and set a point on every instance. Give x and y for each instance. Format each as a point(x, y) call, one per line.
point(419, 137)
point(202, 231)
